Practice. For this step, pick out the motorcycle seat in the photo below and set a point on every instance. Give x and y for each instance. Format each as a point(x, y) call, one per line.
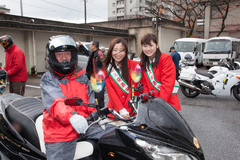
point(22, 113)
point(209, 75)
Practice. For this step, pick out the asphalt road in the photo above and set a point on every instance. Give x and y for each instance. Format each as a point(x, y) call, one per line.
point(214, 121)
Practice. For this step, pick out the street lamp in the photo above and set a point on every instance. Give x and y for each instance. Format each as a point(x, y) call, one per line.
point(154, 20)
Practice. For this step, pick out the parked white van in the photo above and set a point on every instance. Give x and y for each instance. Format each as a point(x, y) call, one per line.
point(192, 46)
point(218, 48)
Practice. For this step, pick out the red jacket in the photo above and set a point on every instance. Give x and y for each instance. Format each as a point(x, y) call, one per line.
point(165, 73)
point(118, 99)
point(56, 115)
point(15, 64)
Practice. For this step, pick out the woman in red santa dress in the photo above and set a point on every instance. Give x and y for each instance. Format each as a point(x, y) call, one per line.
point(158, 71)
point(118, 69)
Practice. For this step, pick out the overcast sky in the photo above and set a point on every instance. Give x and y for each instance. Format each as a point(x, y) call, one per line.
point(61, 10)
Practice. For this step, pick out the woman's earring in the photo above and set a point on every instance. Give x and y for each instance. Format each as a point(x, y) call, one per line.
point(111, 60)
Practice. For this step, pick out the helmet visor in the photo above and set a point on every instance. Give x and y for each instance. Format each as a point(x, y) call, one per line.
point(62, 42)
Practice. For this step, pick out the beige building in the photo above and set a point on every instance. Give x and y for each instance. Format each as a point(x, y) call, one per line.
point(168, 31)
point(32, 34)
point(213, 21)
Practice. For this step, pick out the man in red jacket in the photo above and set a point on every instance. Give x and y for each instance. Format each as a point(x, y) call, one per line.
point(15, 65)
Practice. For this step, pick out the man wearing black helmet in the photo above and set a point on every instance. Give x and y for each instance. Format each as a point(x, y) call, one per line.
point(15, 65)
point(62, 123)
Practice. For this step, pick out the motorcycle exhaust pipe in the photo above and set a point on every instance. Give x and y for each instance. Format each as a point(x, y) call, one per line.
point(188, 85)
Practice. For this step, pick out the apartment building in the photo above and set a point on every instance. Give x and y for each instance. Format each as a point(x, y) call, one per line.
point(125, 9)
point(130, 9)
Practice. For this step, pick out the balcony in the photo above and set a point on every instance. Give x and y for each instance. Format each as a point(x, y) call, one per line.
point(120, 5)
point(120, 14)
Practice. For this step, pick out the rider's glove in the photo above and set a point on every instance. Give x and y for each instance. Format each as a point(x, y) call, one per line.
point(79, 123)
point(123, 111)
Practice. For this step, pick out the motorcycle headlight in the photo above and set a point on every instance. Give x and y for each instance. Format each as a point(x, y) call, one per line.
point(158, 152)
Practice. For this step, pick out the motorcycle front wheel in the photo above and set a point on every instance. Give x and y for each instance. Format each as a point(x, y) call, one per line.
point(236, 92)
point(188, 92)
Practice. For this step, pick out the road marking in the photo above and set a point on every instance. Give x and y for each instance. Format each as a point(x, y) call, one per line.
point(33, 86)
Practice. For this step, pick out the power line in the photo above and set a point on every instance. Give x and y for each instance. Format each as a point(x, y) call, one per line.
point(79, 11)
point(70, 8)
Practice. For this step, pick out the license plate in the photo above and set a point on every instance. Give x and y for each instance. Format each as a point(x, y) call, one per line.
point(215, 63)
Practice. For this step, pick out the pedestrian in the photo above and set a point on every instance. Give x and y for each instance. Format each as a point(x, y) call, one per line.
point(15, 65)
point(103, 49)
point(62, 123)
point(158, 71)
point(176, 58)
point(117, 69)
point(94, 65)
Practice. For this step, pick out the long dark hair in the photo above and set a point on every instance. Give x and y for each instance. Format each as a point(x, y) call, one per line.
point(124, 62)
point(147, 39)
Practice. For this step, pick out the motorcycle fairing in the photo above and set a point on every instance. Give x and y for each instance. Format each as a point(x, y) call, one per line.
point(163, 122)
point(117, 144)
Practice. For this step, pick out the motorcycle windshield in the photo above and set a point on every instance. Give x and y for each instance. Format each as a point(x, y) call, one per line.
point(164, 120)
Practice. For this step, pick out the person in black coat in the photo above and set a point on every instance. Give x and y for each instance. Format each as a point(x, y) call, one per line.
point(94, 65)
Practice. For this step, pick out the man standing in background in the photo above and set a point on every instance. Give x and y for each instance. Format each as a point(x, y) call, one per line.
point(94, 65)
point(15, 65)
point(176, 58)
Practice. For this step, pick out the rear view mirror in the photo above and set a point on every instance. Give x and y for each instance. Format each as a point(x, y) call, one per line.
point(188, 57)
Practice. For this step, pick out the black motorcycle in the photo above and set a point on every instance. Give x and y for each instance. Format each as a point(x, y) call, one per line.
point(157, 132)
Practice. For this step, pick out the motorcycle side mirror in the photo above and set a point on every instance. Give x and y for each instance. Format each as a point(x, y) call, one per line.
point(139, 87)
point(188, 57)
point(152, 94)
point(73, 101)
point(144, 97)
point(195, 49)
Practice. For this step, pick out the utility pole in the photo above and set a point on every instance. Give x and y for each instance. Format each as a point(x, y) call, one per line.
point(21, 8)
point(85, 11)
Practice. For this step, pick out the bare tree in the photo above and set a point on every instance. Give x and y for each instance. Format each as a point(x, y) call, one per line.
point(185, 11)
point(222, 7)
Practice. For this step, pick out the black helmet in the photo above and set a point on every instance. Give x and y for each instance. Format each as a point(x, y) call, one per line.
point(58, 44)
point(6, 41)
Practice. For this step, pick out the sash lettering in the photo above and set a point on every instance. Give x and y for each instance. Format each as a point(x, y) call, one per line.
point(118, 79)
point(156, 84)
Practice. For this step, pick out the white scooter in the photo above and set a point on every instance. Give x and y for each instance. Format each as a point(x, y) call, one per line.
point(218, 81)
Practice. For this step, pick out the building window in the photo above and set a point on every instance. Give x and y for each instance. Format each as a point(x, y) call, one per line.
point(140, 1)
point(130, 1)
point(113, 12)
point(130, 10)
point(113, 4)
